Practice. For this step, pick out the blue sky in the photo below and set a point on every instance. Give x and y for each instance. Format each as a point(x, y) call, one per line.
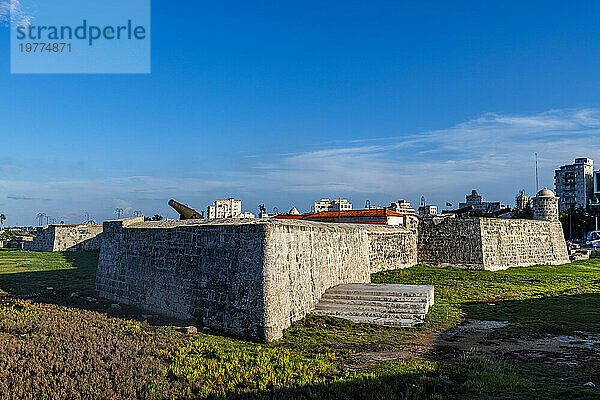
point(285, 102)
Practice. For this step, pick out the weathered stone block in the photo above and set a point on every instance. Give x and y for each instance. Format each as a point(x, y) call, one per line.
point(67, 238)
point(249, 278)
point(490, 243)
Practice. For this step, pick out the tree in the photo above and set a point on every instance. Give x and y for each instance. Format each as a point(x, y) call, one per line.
point(526, 213)
point(2, 218)
point(583, 222)
point(472, 214)
point(157, 217)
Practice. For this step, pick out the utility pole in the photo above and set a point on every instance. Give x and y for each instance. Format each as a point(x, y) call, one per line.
point(595, 208)
point(571, 221)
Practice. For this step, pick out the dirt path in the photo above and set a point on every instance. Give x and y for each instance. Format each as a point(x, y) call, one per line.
point(477, 337)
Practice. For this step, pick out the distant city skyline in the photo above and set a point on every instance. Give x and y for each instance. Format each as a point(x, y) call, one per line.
point(285, 105)
point(495, 179)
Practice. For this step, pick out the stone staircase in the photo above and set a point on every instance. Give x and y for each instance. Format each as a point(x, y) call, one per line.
point(387, 304)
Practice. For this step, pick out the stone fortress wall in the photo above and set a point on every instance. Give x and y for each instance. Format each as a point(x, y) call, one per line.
point(392, 248)
point(494, 243)
point(67, 238)
point(303, 259)
point(517, 243)
point(254, 277)
point(209, 272)
point(249, 278)
point(490, 243)
point(447, 241)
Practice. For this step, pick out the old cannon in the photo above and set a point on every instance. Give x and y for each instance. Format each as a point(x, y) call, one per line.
point(184, 211)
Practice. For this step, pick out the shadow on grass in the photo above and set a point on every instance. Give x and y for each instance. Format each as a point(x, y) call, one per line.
point(72, 284)
point(391, 386)
point(76, 275)
point(556, 315)
point(471, 377)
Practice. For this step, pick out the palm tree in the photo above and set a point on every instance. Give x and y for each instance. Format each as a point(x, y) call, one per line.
point(2, 218)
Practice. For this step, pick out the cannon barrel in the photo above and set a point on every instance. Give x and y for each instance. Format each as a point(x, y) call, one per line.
point(184, 211)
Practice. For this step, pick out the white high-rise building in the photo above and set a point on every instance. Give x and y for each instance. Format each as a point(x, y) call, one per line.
point(574, 184)
point(225, 208)
point(332, 205)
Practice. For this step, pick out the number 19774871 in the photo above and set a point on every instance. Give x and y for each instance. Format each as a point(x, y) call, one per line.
point(45, 47)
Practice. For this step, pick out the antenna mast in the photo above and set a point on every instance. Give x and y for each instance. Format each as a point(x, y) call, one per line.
point(537, 181)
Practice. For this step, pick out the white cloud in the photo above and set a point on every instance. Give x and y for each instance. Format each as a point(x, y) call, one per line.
point(70, 200)
point(13, 11)
point(493, 153)
point(22, 197)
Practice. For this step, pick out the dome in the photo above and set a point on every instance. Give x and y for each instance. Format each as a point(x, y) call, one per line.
point(545, 192)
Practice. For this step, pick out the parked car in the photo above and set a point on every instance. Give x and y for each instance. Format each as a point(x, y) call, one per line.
point(592, 238)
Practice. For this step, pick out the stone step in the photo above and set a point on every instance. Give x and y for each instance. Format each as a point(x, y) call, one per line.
point(385, 290)
point(392, 290)
point(396, 322)
point(392, 305)
point(373, 297)
point(365, 312)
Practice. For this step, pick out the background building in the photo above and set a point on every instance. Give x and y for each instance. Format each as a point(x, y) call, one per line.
point(369, 206)
point(294, 211)
point(574, 183)
point(332, 205)
point(522, 201)
point(402, 207)
point(377, 216)
point(428, 210)
point(476, 200)
point(226, 208)
point(597, 186)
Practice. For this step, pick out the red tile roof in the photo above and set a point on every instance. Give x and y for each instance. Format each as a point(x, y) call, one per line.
point(379, 212)
point(289, 216)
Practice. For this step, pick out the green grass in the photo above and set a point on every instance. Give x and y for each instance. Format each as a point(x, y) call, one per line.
point(24, 273)
point(210, 366)
point(6, 235)
point(535, 300)
point(457, 286)
point(53, 345)
point(557, 300)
